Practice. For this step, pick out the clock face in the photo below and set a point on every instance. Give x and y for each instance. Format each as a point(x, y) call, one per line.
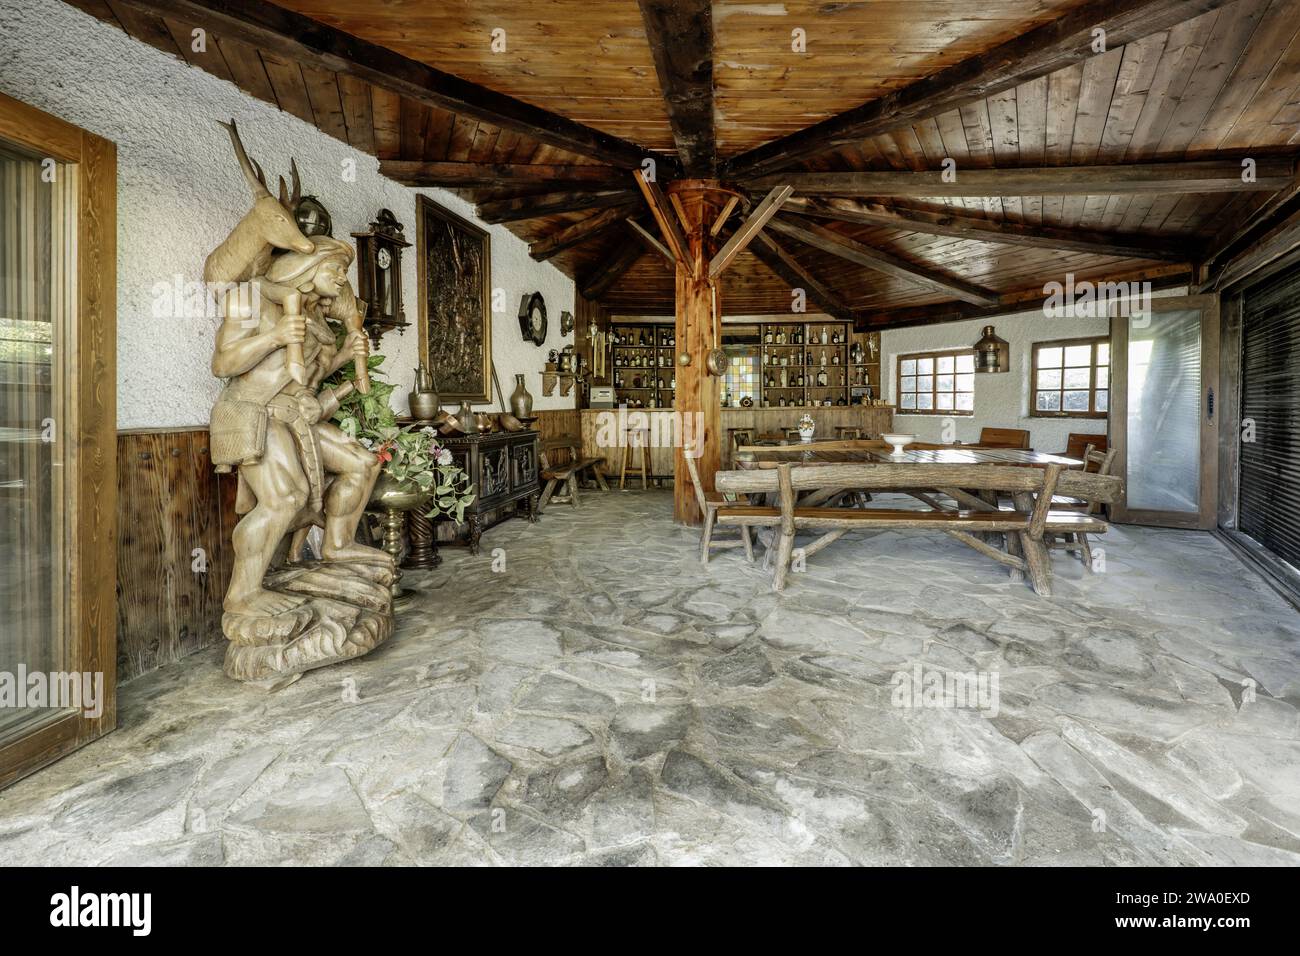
point(384, 259)
point(532, 318)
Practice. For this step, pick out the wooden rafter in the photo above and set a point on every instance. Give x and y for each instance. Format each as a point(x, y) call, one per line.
point(455, 175)
point(646, 236)
point(665, 218)
point(793, 272)
point(1199, 176)
point(723, 216)
point(680, 34)
point(1056, 44)
point(949, 223)
point(314, 44)
point(1165, 276)
point(827, 240)
point(577, 233)
point(612, 269)
point(750, 228)
point(549, 204)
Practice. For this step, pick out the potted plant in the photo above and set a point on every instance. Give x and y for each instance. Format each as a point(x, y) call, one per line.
point(417, 469)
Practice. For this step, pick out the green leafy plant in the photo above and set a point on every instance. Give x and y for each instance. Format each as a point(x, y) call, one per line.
point(410, 455)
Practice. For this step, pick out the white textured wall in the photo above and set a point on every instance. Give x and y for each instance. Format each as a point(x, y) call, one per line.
point(1001, 400)
point(180, 192)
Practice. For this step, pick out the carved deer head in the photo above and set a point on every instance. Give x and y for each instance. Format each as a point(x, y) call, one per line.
point(273, 217)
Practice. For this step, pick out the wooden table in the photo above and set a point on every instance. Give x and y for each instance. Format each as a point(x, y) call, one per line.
point(861, 451)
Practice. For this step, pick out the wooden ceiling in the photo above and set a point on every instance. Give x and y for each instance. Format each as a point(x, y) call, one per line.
point(544, 134)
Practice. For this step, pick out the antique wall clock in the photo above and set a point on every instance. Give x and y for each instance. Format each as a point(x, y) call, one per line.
point(379, 274)
point(532, 318)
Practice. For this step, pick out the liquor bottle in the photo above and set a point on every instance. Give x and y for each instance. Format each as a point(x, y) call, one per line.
point(823, 363)
point(780, 336)
point(824, 338)
point(835, 359)
point(821, 377)
point(767, 336)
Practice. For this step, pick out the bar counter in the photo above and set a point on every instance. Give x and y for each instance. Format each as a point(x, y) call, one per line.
point(604, 430)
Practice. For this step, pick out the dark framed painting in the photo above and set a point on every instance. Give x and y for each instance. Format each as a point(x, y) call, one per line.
point(455, 288)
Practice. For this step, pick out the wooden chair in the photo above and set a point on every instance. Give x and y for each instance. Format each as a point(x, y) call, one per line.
point(1004, 438)
point(1094, 462)
point(848, 433)
point(711, 502)
point(638, 438)
point(741, 436)
point(791, 434)
point(1077, 444)
point(567, 473)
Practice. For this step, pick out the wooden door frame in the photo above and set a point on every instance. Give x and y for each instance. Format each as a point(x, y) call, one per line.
point(91, 461)
point(1207, 517)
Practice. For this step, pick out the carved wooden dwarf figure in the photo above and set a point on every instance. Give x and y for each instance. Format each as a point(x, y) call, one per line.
point(295, 469)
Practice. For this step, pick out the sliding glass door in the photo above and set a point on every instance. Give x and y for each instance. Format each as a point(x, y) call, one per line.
point(1162, 412)
point(38, 218)
point(57, 438)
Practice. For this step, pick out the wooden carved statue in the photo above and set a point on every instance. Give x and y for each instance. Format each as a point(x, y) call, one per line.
point(285, 615)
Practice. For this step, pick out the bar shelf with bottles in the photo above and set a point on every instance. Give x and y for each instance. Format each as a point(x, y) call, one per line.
point(644, 365)
point(814, 363)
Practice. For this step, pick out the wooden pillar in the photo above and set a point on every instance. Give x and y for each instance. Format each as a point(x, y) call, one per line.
point(697, 399)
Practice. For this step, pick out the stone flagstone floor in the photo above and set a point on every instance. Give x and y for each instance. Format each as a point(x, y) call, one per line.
point(605, 699)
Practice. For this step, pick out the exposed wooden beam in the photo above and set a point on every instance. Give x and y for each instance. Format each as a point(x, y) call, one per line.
point(750, 228)
point(578, 233)
point(680, 34)
point(1234, 233)
point(611, 270)
point(948, 223)
point(669, 225)
point(827, 240)
point(789, 268)
point(1011, 303)
point(1059, 42)
point(549, 204)
point(452, 175)
point(276, 30)
point(723, 216)
point(1200, 176)
point(1281, 238)
point(646, 236)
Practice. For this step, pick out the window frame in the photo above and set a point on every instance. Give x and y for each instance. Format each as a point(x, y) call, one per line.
point(1092, 412)
point(935, 354)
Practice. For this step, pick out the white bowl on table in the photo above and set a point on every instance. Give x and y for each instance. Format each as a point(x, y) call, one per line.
point(897, 442)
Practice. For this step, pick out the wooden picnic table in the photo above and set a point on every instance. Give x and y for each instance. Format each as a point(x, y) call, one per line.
point(856, 451)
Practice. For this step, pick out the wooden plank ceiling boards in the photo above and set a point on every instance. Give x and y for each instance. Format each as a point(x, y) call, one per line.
point(1059, 156)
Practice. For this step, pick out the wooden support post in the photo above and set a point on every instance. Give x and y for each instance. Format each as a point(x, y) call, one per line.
point(698, 393)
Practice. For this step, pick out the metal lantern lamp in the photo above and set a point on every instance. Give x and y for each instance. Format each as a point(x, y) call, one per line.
point(992, 354)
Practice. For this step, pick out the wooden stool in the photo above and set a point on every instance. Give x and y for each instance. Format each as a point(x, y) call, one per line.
point(638, 438)
point(846, 432)
point(792, 434)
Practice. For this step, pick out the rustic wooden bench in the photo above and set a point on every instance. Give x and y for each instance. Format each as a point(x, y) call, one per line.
point(971, 521)
point(568, 472)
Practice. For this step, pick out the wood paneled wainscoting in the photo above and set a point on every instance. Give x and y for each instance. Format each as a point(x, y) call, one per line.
point(175, 516)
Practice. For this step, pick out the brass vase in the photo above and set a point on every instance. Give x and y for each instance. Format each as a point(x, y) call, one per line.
point(521, 400)
point(395, 498)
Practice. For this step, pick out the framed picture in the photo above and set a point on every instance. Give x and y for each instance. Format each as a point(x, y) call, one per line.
point(455, 288)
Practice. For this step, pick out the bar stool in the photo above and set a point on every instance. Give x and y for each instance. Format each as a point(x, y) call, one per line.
point(846, 432)
point(638, 438)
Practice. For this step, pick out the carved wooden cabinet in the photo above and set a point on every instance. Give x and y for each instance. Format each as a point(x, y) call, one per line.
point(503, 467)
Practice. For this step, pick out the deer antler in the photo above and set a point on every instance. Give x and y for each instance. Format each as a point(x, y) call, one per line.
point(290, 202)
point(252, 172)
